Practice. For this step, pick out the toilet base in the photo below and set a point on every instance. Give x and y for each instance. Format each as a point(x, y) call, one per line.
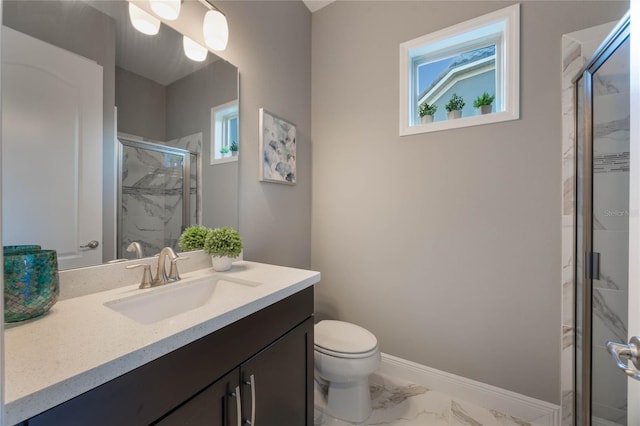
point(350, 401)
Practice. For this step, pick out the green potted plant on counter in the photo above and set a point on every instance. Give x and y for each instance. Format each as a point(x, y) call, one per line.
point(225, 151)
point(224, 245)
point(193, 238)
point(234, 148)
point(454, 106)
point(483, 103)
point(426, 112)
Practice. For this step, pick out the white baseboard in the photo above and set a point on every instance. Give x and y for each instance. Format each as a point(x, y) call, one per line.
point(514, 404)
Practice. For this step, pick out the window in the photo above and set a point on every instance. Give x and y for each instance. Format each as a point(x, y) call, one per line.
point(469, 59)
point(224, 133)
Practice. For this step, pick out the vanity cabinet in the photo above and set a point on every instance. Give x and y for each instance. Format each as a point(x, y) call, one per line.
point(271, 388)
point(262, 363)
point(217, 404)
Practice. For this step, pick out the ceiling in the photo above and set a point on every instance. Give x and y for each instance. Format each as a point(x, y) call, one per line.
point(314, 5)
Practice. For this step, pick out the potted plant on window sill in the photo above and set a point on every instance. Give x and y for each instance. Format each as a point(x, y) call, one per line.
point(454, 107)
point(225, 151)
point(224, 245)
point(234, 148)
point(426, 112)
point(483, 103)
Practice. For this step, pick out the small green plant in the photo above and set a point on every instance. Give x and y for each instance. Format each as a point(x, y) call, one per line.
point(225, 150)
point(485, 99)
point(456, 103)
point(426, 109)
point(223, 242)
point(193, 238)
point(234, 146)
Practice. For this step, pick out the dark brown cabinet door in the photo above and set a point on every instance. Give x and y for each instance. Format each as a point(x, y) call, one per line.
point(217, 405)
point(277, 383)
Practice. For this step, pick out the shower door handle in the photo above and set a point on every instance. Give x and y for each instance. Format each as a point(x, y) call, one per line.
point(622, 353)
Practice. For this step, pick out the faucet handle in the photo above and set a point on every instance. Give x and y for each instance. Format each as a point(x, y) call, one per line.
point(147, 278)
point(173, 268)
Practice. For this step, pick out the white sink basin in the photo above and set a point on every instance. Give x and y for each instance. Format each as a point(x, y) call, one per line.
point(159, 303)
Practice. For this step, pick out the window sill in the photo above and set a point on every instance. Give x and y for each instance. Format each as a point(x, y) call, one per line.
point(224, 160)
point(475, 120)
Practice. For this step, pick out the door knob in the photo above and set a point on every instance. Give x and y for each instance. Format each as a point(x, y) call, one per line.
point(91, 244)
point(622, 353)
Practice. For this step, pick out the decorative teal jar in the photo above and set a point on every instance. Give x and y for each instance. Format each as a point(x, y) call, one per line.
point(31, 282)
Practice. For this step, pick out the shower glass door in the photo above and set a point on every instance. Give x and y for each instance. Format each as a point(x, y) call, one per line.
point(157, 189)
point(602, 235)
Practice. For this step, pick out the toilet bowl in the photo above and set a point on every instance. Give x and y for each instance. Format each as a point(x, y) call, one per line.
point(345, 356)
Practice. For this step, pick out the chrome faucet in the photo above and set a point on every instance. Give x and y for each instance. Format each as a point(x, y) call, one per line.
point(136, 248)
point(161, 271)
point(161, 276)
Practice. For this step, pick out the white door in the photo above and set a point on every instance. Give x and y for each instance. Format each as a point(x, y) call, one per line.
point(52, 150)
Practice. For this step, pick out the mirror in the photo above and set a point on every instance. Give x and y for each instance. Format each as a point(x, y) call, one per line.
point(151, 93)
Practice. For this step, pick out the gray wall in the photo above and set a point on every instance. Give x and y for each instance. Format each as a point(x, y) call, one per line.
point(270, 43)
point(79, 28)
point(445, 245)
point(142, 105)
point(189, 103)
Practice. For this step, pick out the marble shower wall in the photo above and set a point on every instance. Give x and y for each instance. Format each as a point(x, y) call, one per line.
point(152, 196)
point(193, 144)
point(577, 48)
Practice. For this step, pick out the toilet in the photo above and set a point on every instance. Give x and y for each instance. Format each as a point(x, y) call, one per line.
point(345, 355)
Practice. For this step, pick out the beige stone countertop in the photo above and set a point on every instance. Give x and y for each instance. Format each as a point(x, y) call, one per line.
point(81, 343)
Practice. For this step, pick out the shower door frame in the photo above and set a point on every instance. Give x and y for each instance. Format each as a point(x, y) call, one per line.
point(616, 38)
point(125, 140)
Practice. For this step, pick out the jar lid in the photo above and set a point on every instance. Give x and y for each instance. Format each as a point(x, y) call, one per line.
point(344, 337)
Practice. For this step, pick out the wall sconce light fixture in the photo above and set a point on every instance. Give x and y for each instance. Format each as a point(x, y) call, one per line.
point(215, 28)
point(143, 21)
point(193, 50)
point(167, 9)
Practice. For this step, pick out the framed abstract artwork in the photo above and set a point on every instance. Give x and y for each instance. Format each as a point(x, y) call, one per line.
point(277, 149)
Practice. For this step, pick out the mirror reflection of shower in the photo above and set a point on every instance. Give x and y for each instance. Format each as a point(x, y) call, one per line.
point(158, 195)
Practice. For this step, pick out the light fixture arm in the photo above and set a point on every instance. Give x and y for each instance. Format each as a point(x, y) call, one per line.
point(210, 6)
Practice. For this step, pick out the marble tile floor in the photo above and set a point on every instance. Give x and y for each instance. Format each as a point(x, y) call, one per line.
point(397, 403)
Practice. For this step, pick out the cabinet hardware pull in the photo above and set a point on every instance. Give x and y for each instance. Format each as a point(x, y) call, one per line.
point(237, 396)
point(252, 383)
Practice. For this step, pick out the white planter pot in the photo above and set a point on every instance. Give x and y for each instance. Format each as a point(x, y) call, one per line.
point(221, 264)
point(485, 109)
point(426, 119)
point(454, 114)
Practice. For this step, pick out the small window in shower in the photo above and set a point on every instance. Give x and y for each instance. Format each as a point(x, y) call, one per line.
point(224, 133)
point(472, 67)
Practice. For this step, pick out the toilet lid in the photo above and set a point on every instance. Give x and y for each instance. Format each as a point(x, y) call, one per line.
point(343, 337)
